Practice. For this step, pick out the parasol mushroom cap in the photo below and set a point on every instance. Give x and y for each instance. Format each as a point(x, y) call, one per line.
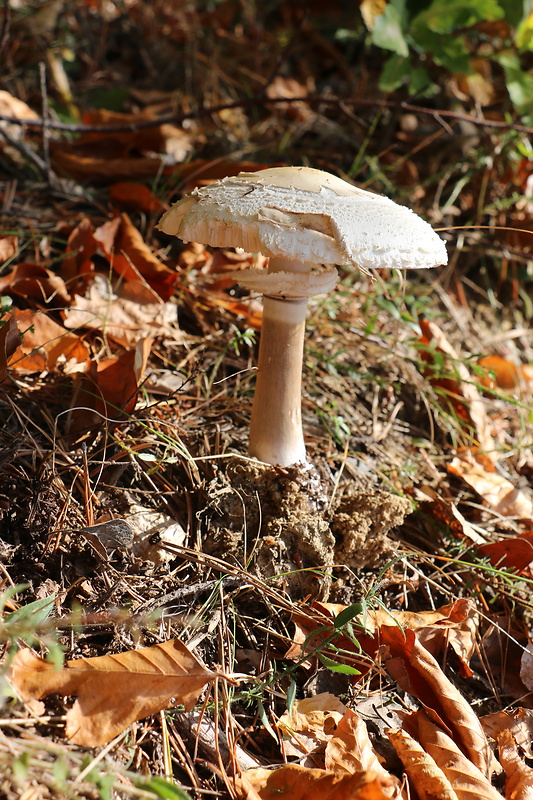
point(305, 215)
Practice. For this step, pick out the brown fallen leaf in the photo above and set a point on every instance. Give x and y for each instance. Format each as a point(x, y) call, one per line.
point(44, 343)
point(499, 373)
point(126, 252)
point(293, 782)
point(309, 724)
point(418, 673)
point(350, 750)
point(314, 625)
point(496, 490)
point(516, 552)
point(110, 156)
point(290, 88)
point(519, 721)
point(519, 783)
point(136, 197)
point(9, 246)
point(503, 374)
point(125, 315)
point(426, 776)
point(34, 281)
point(453, 625)
point(113, 691)
point(108, 387)
point(82, 245)
point(468, 782)
point(458, 390)
point(11, 106)
point(133, 257)
point(9, 341)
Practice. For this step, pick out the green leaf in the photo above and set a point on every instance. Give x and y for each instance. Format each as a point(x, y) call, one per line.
point(388, 32)
point(348, 614)
point(519, 83)
point(291, 694)
point(60, 771)
point(446, 16)
point(34, 613)
point(524, 34)
point(265, 720)
point(10, 592)
point(335, 666)
point(162, 788)
point(397, 71)
point(20, 767)
point(515, 11)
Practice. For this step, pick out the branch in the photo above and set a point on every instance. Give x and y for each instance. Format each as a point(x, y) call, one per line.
point(340, 103)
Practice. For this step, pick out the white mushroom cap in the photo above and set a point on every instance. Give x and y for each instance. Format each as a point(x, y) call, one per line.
point(306, 215)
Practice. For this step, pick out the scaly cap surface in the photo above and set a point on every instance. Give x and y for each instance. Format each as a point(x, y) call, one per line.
point(307, 215)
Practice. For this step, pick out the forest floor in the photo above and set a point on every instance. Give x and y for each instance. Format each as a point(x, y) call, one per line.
point(388, 585)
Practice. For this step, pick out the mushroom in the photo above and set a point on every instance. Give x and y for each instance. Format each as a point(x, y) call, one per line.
point(305, 221)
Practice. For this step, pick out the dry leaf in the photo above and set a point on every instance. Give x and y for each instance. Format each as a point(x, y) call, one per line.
point(446, 513)
point(123, 316)
point(11, 106)
point(428, 779)
point(519, 784)
point(45, 343)
point(519, 721)
point(136, 197)
point(293, 782)
point(456, 627)
point(110, 156)
point(9, 246)
point(497, 492)
point(500, 373)
point(109, 388)
point(9, 341)
point(468, 782)
point(310, 723)
point(453, 625)
point(459, 391)
point(526, 667)
point(419, 673)
point(290, 88)
point(34, 281)
point(82, 246)
point(350, 750)
point(113, 691)
point(516, 552)
point(314, 623)
point(133, 257)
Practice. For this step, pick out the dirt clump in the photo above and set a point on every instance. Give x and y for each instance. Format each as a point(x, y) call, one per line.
point(275, 522)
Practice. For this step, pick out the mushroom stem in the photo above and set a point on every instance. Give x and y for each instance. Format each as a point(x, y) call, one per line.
point(276, 434)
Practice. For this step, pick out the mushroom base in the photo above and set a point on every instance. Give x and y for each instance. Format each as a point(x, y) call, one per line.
point(276, 435)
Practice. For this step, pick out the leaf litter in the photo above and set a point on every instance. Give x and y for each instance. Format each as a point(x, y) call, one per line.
point(399, 577)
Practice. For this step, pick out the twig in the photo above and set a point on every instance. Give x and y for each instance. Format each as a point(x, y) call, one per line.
point(32, 156)
point(6, 24)
point(338, 102)
point(46, 121)
point(24, 150)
